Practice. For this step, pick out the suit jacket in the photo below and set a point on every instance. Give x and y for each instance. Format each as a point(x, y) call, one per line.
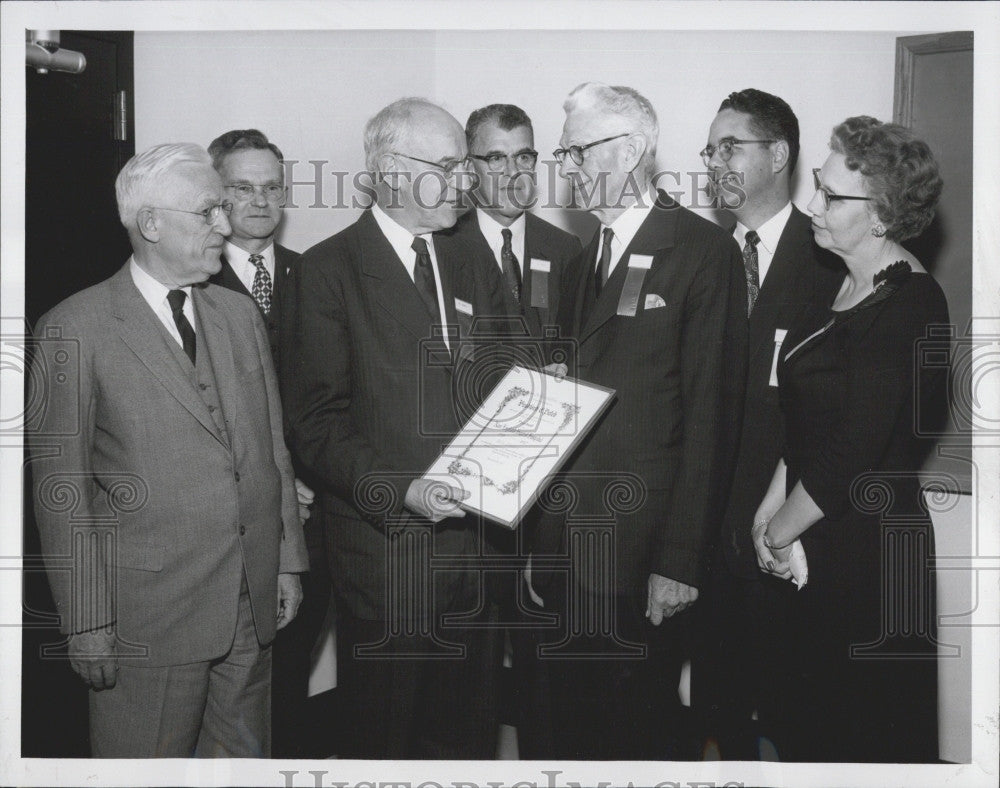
point(372, 398)
point(678, 372)
point(801, 276)
point(137, 488)
point(285, 261)
point(542, 241)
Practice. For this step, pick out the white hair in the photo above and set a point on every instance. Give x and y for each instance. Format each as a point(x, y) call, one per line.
point(384, 131)
point(625, 102)
point(138, 181)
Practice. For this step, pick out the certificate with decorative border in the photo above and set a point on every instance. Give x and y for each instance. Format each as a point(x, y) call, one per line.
point(522, 434)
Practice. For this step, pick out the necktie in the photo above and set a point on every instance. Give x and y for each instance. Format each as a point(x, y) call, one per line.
point(511, 266)
point(176, 300)
point(261, 290)
point(423, 278)
point(604, 269)
point(752, 267)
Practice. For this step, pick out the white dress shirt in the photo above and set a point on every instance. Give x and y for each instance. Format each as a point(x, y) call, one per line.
point(492, 231)
point(401, 240)
point(155, 294)
point(625, 227)
point(770, 233)
point(239, 261)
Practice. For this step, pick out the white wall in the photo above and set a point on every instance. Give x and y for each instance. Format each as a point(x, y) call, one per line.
point(312, 92)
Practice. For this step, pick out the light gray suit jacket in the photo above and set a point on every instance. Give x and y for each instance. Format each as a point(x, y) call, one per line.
point(148, 512)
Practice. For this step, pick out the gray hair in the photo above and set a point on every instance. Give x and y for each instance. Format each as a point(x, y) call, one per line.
point(627, 103)
point(387, 127)
point(137, 181)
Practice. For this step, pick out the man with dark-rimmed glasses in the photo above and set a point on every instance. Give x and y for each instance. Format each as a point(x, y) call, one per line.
point(753, 146)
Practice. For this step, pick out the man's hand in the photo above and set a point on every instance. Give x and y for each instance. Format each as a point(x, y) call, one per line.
point(434, 500)
point(93, 656)
point(306, 497)
point(557, 370)
point(289, 597)
point(667, 597)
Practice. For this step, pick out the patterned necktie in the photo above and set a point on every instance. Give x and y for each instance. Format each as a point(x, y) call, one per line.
point(423, 278)
point(176, 300)
point(604, 269)
point(750, 263)
point(511, 266)
point(261, 290)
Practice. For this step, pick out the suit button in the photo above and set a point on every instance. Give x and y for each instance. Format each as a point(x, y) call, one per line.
point(243, 530)
point(202, 386)
point(236, 475)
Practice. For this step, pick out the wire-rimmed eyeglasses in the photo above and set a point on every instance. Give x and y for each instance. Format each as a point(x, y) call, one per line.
point(210, 214)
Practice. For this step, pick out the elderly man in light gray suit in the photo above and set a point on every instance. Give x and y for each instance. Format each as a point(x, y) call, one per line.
point(182, 536)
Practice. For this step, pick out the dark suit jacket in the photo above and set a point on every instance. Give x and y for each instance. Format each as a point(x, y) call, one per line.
point(370, 401)
point(137, 452)
point(285, 261)
point(542, 241)
point(801, 275)
point(678, 371)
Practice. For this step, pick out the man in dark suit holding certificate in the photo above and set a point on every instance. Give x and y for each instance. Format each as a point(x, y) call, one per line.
point(753, 146)
point(369, 370)
point(658, 311)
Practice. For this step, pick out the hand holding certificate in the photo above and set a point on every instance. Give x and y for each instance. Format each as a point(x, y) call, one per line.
point(521, 434)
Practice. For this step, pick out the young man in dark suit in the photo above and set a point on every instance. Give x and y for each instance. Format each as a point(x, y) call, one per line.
point(369, 371)
point(658, 314)
point(256, 265)
point(753, 146)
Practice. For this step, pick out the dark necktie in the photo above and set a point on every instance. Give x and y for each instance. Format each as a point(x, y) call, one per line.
point(752, 266)
point(604, 269)
point(176, 300)
point(261, 290)
point(511, 266)
point(423, 278)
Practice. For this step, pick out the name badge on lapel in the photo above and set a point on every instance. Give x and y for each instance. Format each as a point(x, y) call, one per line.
point(779, 337)
point(463, 307)
point(540, 283)
point(638, 265)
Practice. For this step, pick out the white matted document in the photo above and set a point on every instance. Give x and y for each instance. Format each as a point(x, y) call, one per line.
point(521, 434)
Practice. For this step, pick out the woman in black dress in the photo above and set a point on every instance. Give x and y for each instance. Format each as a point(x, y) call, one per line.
point(847, 494)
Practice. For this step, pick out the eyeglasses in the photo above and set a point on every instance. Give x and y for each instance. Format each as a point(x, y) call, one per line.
point(497, 162)
point(725, 148)
point(244, 192)
point(448, 168)
point(829, 196)
point(576, 151)
point(209, 214)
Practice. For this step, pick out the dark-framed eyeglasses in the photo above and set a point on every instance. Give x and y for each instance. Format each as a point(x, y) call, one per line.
point(725, 148)
point(244, 192)
point(449, 168)
point(497, 162)
point(828, 196)
point(576, 151)
point(210, 214)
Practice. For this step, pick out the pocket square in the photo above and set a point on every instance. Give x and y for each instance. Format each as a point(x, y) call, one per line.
point(654, 301)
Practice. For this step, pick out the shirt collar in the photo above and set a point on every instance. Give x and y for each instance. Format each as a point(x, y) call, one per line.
point(398, 236)
point(769, 232)
point(631, 219)
point(491, 228)
point(154, 291)
point(236, 255)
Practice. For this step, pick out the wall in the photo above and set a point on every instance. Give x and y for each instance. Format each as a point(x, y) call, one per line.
point(312, 91)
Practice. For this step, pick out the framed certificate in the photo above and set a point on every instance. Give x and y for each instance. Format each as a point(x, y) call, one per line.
point(522, 434)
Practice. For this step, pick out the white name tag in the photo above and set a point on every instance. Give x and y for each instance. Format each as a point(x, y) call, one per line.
point(779, 337)
point(463, 306)
point(540, 265)
point(643, 261)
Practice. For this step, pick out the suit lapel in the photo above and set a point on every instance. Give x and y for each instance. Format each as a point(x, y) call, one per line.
point(140, 330)
point(655, 235)
point(229, 279)
point(215, 338)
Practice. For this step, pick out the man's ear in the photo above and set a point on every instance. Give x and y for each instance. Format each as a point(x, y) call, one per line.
point(633, 149)
point(779, 156)
point(388, 171)
point(147, 225)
